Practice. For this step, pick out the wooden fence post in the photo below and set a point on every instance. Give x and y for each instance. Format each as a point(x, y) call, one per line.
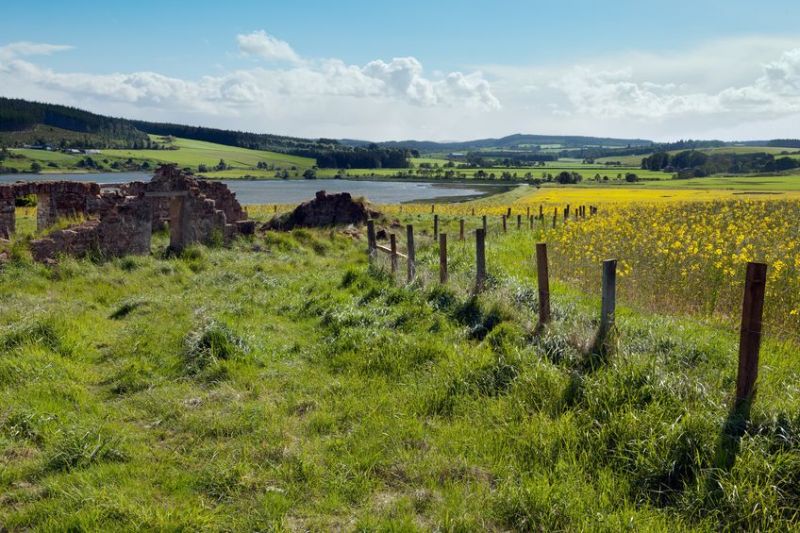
point(461, 230)
point(750, 331)
point(473, 211)
point(543, 280)
point(541, 211)
point(508, 213)
point(393, 248)
point(519, 221)
point(412, 254)
point(555, 217)
point(435, 227)
point(433, 208)
point(443, 258)
point(504, 224)
point(528, 212)
point(480, 259)
point(609, 300)
point(485, 227)
point(372, 243)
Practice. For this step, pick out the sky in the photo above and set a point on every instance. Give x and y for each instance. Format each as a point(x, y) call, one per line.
point(435, 70)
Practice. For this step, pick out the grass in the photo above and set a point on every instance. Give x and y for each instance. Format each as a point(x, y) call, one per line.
point(282, 384)
point(193, 153)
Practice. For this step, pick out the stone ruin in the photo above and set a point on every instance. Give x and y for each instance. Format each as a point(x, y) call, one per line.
point(120, 219)
point(325, 210)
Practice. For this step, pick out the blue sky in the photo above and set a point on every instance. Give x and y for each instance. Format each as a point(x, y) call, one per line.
point(441, 70)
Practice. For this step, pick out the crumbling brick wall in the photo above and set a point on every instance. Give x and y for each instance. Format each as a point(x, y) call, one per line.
point(122, 220)
point(125, 228)
point(325, 210)
point(55, 200)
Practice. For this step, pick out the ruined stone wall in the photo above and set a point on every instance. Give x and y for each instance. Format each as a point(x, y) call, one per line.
point(224, 199)
point(126, 228)
point(123, 218)
point(325, 210)
point(8, 215)
point(55, 200)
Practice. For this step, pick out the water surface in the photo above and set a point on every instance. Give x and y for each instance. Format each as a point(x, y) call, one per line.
point(296, 191)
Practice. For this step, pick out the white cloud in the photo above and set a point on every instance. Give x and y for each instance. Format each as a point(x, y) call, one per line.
point(261, 44)
point(25, 48)
point(255, 93)
point(741, 88)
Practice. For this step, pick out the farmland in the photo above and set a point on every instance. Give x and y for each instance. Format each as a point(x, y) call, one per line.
point(283, 382)
point(245, 163)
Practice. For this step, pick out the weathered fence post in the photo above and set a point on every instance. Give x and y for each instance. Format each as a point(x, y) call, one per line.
point(555, 217)
point(750, 331)
point(473, 211)
point(435, 227)
point(508, 213)
point(519, 221)
point(609, 302)
point(393, 248)
point(485, 228)
point(443, 258)
point(433, 208)
point(372, 242)
point(528, 211)
point(412, 259)
point(504, 224)
point(480, 259)
point(541, 211)
point(543, 280)
point(461, 230)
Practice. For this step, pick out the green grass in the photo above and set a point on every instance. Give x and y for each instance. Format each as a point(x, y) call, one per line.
point(789, 182)
point(193, 153)
point(189, 153)
point(283, 385)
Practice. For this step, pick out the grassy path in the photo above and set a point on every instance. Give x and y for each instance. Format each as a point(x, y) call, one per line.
point(281, 385)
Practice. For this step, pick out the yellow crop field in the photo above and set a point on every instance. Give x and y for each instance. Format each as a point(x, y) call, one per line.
point(690, 256)
point(523, 198)
point(679, 251)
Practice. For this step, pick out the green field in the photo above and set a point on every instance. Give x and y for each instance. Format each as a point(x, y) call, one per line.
point(281, 384)
point(242, 163)
point(187, 153)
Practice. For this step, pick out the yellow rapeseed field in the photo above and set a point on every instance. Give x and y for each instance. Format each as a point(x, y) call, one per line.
point(690, 256)
point(525, 198)
point(679, 251)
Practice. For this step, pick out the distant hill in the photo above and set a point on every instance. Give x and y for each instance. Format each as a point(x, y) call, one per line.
point(516, 142)
point(34, 123)
point(23, 122)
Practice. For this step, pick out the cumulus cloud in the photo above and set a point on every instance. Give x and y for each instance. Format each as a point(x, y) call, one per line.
point(261, 44)
point(398, 80)
point(746, 88)
point(403, 77)
point(628, 94)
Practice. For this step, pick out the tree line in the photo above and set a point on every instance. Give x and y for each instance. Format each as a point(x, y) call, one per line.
point(692, 163)
point(99, 131)
point(370, 157)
